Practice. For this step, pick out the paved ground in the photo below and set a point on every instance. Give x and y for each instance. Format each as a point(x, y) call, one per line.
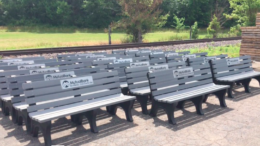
point(239, 124)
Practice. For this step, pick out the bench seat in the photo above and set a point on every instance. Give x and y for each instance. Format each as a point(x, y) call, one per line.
point(54, 113)
point(240, 76)
point(123, 85)
point(189, 93)
point(6, 97)
point(141, 91)
point(20, 106)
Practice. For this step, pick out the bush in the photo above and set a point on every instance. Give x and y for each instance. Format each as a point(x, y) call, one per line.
point(127, 39)
point(235, 30)
point(214, 27)
point(179, 23)
point(195, 31)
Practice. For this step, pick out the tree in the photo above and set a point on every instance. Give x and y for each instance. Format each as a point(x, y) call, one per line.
point(244, 11)
point(214, 27)
point(195, 31)
point(179, 23)
point(139, 17)
point(220, 7)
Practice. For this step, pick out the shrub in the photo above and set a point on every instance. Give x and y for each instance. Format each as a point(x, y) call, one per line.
point(214, 27)
point(235, 30)
point(195, 31)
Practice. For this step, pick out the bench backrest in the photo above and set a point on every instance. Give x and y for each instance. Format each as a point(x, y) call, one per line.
point(27, 62)
point(62, 56)
point(231, 66)
point(122, 52)
point(174, 80)
point(57, 93)
point(4, 84)
point(201, 60)
point(15, 83)
point(161, 54)
point(137, 76)
point(22, 59)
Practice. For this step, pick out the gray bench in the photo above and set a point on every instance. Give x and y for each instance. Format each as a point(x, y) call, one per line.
point(27, 62)
point(233, 70)
point(173, 57)
point(17, 104)
point(161, 54)
point(121, 52)
point(138, 83)
point(75, 97)
point(6, 99)
point(175, 86)
point(21, 59)
point(62, 56)
point(201, 60)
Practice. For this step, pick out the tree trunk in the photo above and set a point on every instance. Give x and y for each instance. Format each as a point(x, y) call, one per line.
point(140, 39)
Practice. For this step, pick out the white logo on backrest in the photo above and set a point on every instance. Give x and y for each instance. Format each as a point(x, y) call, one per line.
point(139, 64)
point(107, 58)
point(128, 60)
point(20, 62)
point(95, 56)
point(154, 53)
point(183, 72)
point(207, 59)
point(45, 70)
point(171, 54)
point(55, 76)
point(145, 51)
point(185, 57)
point(12, 60)
point(34, 66)
point(131, 51)
point(76, 82)
point(84, 54)
point(158, 67)
point(233, 61)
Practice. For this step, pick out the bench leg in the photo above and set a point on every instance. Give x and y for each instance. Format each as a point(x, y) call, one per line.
point(91, 116)
point(246, 83)
point(143, 101)
point(258, 79)
point(124, 91)
point(205, 98)
point(154, 109)
point(34, 129)
point(198, 104)
point(14, 115)
point(230, 94)
point(77, 119)
point(238, 83)
point(46, 132)
point(180, 105)
point(169, 109)
point(112, 109)
point(5, 109)
point(27, 121)
point(221, 96)
point(127, 107)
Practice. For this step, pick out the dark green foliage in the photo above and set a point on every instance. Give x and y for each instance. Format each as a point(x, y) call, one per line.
point(79, 13)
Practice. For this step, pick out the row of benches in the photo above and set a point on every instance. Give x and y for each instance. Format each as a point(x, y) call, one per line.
point(77, 90)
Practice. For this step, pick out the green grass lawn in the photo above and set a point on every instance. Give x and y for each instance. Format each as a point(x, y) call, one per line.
point(26, 38)
point(230, 50)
